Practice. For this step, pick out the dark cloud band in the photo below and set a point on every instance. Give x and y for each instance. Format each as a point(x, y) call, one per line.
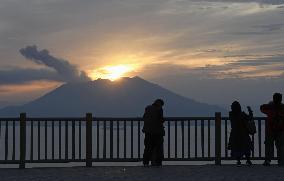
point(19, 76)
point(67, 71)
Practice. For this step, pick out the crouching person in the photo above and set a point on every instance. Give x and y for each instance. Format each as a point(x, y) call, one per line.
point(154, 134)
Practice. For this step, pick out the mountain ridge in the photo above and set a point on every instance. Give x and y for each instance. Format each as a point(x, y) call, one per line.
point(126, 97)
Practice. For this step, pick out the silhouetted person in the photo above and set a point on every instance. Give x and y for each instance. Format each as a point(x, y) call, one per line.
point(274, 129)
point(240, 142)
point(154, 133)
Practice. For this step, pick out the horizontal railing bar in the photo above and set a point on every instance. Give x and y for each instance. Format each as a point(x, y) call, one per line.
point(140, 119)
point(190, 159)
point(117, 160)
point(9, 119)
point(252, 158)
point(255, 118)
point(187, 118)
point(116, 119)
point(167, 118)
point(114, 160)
point(56, 119)
point(9, 161)
point(55, 161)
point(120, 119)
point(122, 160)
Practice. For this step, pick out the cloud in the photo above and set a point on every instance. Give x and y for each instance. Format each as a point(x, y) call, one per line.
point(274, 2)
point(269, 60)
point(271, 27)
point(262, 29)
point(69, 72)
point(201, 84)
point(242, 67)
point(20, 75)
point(245, 66)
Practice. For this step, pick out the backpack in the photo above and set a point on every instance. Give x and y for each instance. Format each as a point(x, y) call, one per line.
point(251, 127)
point(250, 124)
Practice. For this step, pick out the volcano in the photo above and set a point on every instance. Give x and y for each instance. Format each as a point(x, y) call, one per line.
point(126, 97)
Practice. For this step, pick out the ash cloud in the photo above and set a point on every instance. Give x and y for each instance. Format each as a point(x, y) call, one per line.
point(68, 72)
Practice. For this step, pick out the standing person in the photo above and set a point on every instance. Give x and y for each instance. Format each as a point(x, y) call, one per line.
point(154, 134)
point(274, 132)
point(240, 142)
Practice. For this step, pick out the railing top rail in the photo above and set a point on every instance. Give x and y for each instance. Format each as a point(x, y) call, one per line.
point(140, 118)
point(260, 118)
point(255, 118)
point(9, 119)
point(188, 118)
point(119, 118)
point(57, 119)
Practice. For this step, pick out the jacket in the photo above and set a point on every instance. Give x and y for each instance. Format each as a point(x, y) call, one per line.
point(153, 120)
point(272, 110)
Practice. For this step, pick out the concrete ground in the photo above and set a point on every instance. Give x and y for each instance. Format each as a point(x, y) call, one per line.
point(125, 173)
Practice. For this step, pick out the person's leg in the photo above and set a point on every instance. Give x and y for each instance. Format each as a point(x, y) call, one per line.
point(269, 148)
point(148, 149)
point(239, 163)
point(280, 148)
point(159, 149)
point(249, 163)
point(277, 145)
point(157, 159)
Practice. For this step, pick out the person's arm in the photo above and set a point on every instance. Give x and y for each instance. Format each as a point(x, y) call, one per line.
point(250, 115)
point(162, 116)
point(247, 117)
point(145, 119)
point(144, 115)
point(146, 112)
point(265, 108)
point(231, 119)
point(281, 111)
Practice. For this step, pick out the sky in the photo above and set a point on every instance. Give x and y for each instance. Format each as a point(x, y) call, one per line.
point(214, 51)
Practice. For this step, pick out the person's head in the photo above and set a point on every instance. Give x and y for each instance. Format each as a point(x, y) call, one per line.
point(277, 98)
point(236, 107)
point(158, 102)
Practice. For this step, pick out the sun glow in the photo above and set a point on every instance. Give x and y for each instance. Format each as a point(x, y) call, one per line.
point(113, 72)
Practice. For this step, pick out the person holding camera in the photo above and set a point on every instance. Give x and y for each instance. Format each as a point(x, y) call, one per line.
point(242, 125)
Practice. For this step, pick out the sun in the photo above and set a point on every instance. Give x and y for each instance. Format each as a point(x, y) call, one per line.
point(116, 72)
point(112, 72)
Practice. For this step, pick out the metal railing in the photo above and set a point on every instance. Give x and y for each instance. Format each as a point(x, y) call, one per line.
point(61, 140)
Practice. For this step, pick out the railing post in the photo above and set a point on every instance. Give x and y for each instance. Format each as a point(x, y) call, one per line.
point(89, 119)
point(22, 140)
point(217, 138)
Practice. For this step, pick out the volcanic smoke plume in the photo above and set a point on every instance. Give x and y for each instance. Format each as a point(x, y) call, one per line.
point(68, 72)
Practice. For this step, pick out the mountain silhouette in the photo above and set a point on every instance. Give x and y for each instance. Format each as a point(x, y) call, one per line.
point(126, 97)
